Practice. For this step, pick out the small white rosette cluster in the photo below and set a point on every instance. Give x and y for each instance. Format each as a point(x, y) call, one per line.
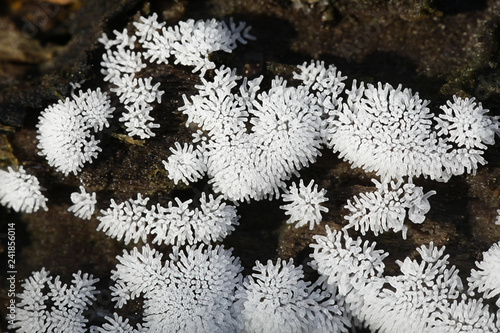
point(185, 164)
point(467, 123)
point(388, 207)
point(83, 204)
point(305, 204)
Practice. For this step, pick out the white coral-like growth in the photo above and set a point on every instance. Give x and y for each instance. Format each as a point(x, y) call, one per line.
point(389, 130)
point(59, 310)
point(83, 204)
point(215, 108)
point(137, 95)
point(486, 277)
point(466, 315)
point(275, 298)
point(116, 324)
point(129, 220)
point(255, 141)
point(427, 296)
point(388, 207)
point(466, 123)
point(191, 292)
point(119, 58)
point(65, 130)
point(212, 221)
point(190, 42)
point(185, 164)
point(346, 262)
point(316, 77)
point(386, 130)
point(94, 107)
point(175, 224)
point(120, 64)
point(21, 191)
point(418, 296)
point(305, 204)
point(138, 272)
point(147, 27)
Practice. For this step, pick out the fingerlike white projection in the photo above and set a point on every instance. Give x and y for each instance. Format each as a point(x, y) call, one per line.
point(21, 191)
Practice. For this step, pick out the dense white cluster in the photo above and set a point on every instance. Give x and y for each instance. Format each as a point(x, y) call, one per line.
point(48, 306)
point(191, 292)
point(388, 207)
point(389, 130)
point(201, 290)
point(120, 64)
point(326, 82)
point(383, 129)
point(185, 164)
point(466, 123)
point(189, 42)
point(175, 224)
point(128, 220)
point(65, 130)
point(427, 296)
point(466, 315)
point(116, 324)
point(253, 141)
point(137, 95)
point(421, 293)
point(21, 191)
point(486, 277)
point(275, 298)
point(83, 204)
point(305, 204)
point(346, 263)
